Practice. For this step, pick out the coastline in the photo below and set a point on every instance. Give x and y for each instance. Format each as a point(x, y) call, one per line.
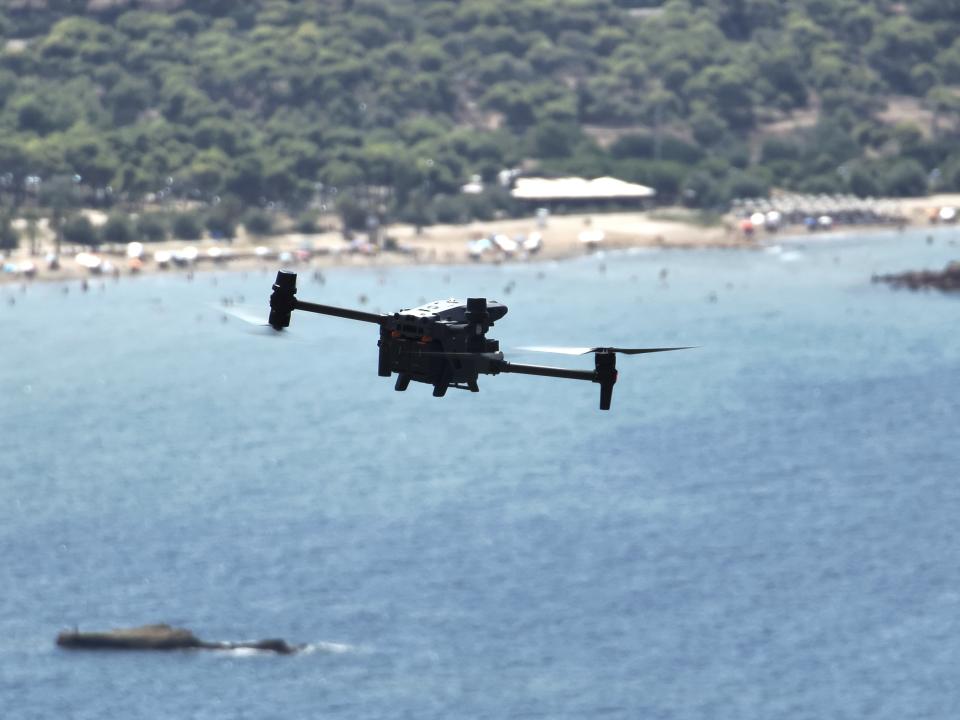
point(448, 244)
point(438, 244)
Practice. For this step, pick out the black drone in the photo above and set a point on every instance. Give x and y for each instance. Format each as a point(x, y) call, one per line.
point(444, 343)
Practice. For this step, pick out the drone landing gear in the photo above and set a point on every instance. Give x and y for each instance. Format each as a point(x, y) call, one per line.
point(383, 360)
point(441, 390)
point(440, 387)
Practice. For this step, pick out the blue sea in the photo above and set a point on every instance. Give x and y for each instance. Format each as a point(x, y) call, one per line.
point(767, 526)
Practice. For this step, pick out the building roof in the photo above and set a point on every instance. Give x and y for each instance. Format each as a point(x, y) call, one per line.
point(575, 188)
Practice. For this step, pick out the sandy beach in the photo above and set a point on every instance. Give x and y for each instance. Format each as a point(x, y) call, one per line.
point(562, 236)
point(446, 244)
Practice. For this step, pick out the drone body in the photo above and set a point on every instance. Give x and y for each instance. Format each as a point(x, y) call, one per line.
point(444, 343)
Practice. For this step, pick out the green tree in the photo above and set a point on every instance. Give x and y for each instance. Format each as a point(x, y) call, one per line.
point(451, 209)
point(553, 139)
point(245, 180)
point(78, 230)
point(263, 101)
point(948, 62)
point(118, 229)
point(127, 99)
point(208, 171)
point(708, 128)
point(258, 222)
point(9, 238)
point(151, 227)
point(942, 101)
point(352, 212)
point(307, 224)
point(34, 116)
point(863, 183)
point(924, 77)
point(89, 156)
point(904, 178)
point(221, 221)
point(728, 89)
point(899, 44)
point(186, 226)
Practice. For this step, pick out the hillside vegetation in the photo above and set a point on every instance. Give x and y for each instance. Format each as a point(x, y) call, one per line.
point(397, 103)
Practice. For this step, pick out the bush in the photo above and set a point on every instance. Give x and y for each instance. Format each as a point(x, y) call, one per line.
point(151, 227)
point(307, 224)
point(904, 178)
point(634, 145)
point(777, 148)
point(117, 230)
point(708, 128)
point(352, 213)
point(418, 211)
point(9, 239)
point(482, 206)
point(78, 230)
point(258, 222)
point(745, 184)
point(450, 209)
point(823, 184)
point(187, 226)
point(863, 183)
point(554, 139)
point(221, 223)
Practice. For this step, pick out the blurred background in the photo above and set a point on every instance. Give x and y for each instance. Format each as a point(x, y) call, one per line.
point(761, 527)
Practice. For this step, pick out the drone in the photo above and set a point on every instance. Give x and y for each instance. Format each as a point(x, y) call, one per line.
point(444, 343)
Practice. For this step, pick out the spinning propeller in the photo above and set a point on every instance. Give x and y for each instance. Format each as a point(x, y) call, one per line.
point(260, 325)
point(562, 350)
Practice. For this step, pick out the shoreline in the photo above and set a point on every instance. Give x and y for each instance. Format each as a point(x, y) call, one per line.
point(435, 245)
point(447, 245)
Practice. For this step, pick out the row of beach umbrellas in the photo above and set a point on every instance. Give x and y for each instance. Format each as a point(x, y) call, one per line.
point(790, 208)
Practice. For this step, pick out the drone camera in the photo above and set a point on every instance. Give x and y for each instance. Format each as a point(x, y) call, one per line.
point(477, 315)
point(478, 322)
point(283, 300)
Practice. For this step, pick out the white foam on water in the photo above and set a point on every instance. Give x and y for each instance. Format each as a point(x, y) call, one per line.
point(244, 652)
point(329, 647)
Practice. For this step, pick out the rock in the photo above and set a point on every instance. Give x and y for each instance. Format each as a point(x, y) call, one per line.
point(946, 280)
point(162, 637)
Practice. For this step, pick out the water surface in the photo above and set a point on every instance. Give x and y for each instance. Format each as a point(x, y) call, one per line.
point(762, 527)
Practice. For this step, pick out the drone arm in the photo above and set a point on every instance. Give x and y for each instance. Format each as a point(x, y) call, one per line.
point(284, 301)
point(347, 313)
point(508, 367)
point(605, 374)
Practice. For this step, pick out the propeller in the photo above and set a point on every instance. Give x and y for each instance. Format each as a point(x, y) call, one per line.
point(563, 350)
point(260, 323)
point(556, 350)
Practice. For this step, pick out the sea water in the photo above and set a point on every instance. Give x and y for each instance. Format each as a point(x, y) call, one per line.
point(762, 527)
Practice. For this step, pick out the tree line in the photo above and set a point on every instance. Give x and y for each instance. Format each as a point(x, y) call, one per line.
point(389, 106)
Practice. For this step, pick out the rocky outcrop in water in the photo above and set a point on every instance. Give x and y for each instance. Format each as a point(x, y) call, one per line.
point(947, 280)
point(162, 637)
